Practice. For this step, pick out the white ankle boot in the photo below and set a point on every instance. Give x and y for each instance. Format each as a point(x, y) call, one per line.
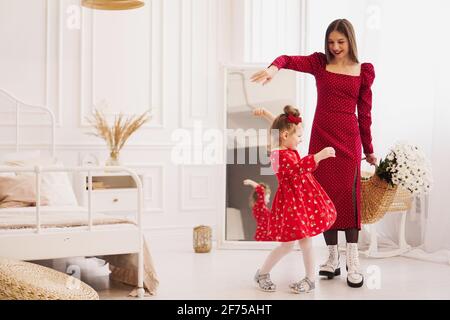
point(355, 278)
point(331, 267)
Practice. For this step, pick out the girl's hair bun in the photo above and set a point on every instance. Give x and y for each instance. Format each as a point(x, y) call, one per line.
point(283, 122)
point(291, 110)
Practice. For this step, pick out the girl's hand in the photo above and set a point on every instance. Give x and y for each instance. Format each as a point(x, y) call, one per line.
point(259, 112)
point(263, 112)
point(371, 159)
point(324, 154)
point(264, 76)
point(250, 182)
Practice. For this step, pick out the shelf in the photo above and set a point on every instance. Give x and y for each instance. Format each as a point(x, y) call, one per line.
point(111, 182)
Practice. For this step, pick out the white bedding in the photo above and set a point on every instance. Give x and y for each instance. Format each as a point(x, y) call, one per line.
point(53, 217)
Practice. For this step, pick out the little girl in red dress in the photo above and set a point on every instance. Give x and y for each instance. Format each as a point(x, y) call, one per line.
point(259, 200)
point(301, 209)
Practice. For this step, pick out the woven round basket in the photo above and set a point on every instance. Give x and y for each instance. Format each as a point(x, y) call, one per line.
point(377, 197)
point(21, 280)
point(402, 201)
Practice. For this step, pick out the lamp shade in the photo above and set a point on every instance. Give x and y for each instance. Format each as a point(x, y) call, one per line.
point(112, 4)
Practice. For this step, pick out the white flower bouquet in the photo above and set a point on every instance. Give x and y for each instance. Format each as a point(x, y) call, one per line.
point(406, 166)
point(402, 174)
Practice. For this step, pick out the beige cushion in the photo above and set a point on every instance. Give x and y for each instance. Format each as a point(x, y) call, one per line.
point(55, 186)
point(19, 191)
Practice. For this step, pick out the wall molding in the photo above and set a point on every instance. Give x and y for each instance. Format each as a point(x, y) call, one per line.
point(185, 57)
point(87, 68)
point(53, 71)
point(187, 61)
point(184, 191)
point(142, 168)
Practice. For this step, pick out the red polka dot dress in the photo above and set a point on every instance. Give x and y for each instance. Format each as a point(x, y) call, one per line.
point(261, 214)
point(300, 208)
point(336, 125)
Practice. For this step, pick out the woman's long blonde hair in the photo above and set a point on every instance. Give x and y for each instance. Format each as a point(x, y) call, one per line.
point(345, 27)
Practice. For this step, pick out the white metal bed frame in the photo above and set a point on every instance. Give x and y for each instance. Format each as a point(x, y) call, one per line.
point(39, 244)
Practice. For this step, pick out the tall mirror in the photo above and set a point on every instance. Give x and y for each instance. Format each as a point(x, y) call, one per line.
point(247, 144)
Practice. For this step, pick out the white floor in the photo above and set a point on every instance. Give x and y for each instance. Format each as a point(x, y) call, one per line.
point(227, 274)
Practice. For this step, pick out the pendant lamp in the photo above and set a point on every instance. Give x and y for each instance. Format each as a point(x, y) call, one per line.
point(112, 4)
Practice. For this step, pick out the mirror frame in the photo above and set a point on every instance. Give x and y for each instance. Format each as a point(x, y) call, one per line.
point(222, 242)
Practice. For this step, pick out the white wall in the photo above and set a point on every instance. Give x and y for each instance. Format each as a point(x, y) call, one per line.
point(438, 225)
point(271, 26)
point(164, 57)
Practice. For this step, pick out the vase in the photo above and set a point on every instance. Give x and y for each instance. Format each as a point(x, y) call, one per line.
point(202, 239)
point(113, 159)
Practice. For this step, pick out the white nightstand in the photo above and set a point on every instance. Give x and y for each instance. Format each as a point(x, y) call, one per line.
point(111, 192)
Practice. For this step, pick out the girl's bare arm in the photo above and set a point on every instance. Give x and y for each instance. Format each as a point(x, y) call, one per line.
point(266, 114)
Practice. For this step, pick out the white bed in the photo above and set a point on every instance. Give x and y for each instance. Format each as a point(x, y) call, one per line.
point(64, 232)
point(51, 232)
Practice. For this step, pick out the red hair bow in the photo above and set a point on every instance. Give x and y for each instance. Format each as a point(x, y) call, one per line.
point(293, 119)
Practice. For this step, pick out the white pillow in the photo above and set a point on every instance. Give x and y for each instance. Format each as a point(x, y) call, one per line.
point(55, 186)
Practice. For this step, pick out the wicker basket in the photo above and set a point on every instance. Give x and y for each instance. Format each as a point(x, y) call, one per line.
point(21, 280)
point(377, 197)
point(402, 201)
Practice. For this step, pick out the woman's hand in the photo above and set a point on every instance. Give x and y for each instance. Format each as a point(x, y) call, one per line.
point(250, 182)
point(324, 154)
point(264, 76)
point(371, 159)
point(263, 112)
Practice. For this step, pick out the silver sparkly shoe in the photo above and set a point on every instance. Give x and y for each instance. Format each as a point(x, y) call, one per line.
point(264, 283)
point(303, 286)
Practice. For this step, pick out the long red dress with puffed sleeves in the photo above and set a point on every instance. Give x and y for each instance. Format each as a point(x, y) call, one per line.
point(300, 208)
point(336, 124)
point(260, 213)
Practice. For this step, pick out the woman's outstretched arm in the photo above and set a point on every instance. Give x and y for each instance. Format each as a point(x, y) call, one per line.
point(309, 64)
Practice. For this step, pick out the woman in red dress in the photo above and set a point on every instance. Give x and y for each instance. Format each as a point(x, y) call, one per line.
point(343, 87)
point(301, 209)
